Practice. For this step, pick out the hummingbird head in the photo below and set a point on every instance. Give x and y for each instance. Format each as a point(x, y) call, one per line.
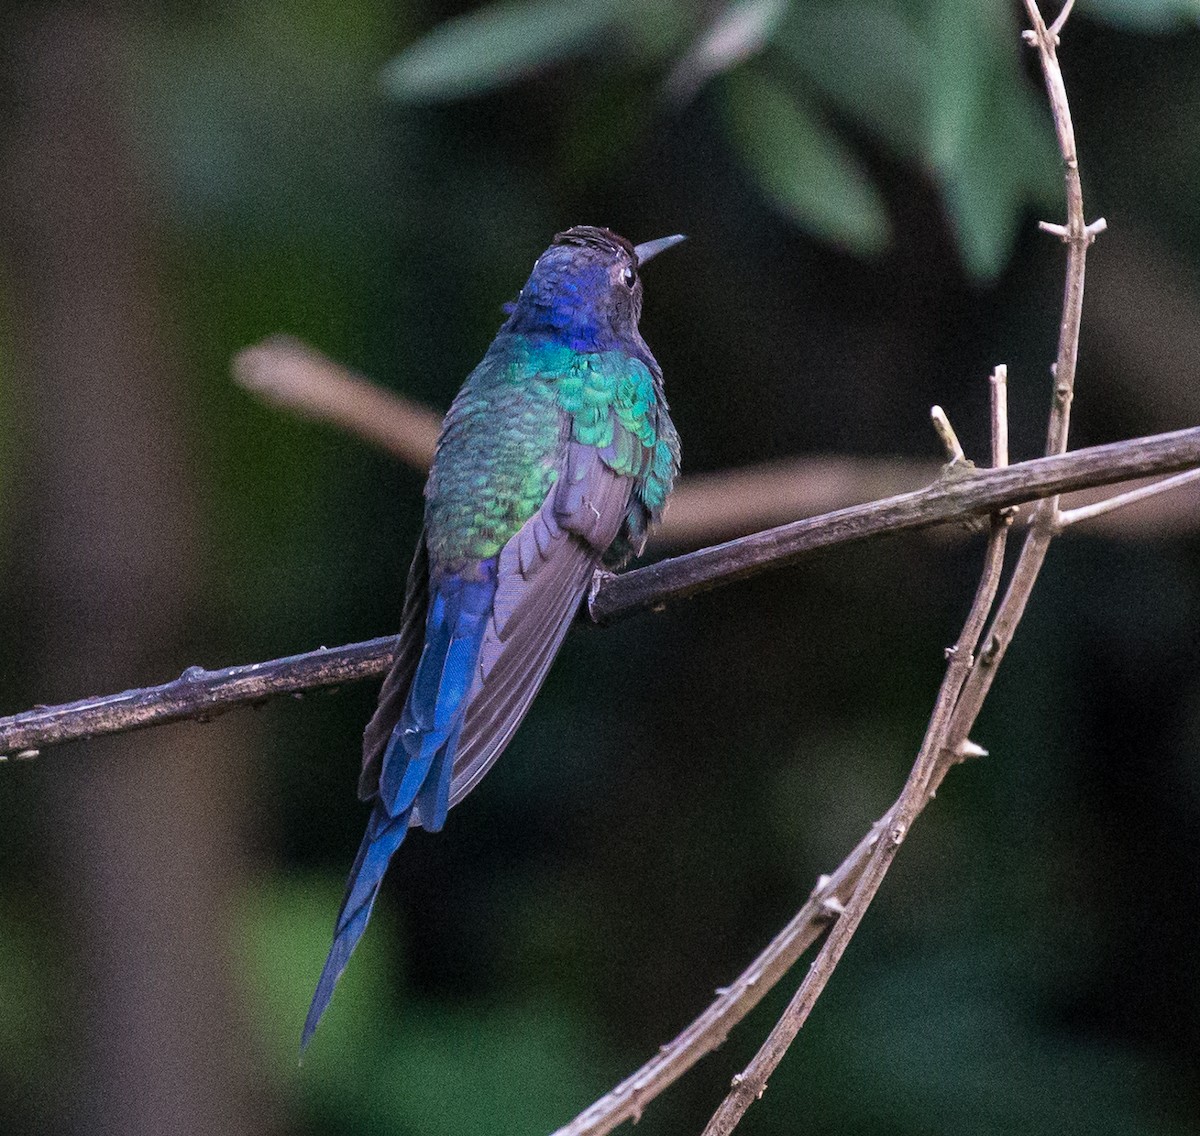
point(586, 289)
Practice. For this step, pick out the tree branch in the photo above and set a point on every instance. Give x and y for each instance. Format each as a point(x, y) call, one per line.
point(290, 375)
point(843, 898)
point(844, 895)
point(933, 762)
point(201, 694)
point(961, 496)
point(284, 372)
point(1130, 497)
point(968, 678)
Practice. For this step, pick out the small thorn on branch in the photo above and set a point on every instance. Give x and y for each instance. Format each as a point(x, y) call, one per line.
point(1067, 233)
point(990, 650)
point(971, 749)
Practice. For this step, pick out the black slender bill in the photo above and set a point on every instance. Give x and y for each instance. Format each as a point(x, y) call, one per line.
point(648, 249)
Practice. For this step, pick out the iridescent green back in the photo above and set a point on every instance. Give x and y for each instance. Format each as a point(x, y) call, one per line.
point(505, 438)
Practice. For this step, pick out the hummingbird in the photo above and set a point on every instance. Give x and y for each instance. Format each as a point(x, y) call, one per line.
point(556, 457)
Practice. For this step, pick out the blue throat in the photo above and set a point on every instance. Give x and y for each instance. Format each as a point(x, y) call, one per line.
point(564, 307)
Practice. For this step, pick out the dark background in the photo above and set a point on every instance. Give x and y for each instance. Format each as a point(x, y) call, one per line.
point(178, 180)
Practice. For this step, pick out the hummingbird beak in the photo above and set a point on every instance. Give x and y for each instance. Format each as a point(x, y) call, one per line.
point(648, 249)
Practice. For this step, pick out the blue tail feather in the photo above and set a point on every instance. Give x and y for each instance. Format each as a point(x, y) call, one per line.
point(433, 801)
point(433, 711)
point(418, 763)
point(383, 836)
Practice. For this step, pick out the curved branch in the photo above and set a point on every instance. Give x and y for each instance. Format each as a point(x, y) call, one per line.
point(956, 498)
point(967, 681)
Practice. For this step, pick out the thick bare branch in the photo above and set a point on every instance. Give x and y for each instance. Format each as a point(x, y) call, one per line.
point(196, 695)
point(200, 694)
point(956, 497)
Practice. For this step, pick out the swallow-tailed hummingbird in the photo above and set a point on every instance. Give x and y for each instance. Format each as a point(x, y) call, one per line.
point(556, 457)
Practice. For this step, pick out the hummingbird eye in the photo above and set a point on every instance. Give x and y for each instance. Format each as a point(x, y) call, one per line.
point(628, 277)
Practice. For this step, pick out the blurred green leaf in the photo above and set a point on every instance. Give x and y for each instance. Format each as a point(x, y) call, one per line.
point(967, 42)
point(31, 993)
point(985, 195)
point(515, 1069)
point(945, 90)
point(739, 32)
point(493, 46)
point(803, 166)
point(1144, 15)
point(282, 934)
point(386, 1068)
point(869, 61)
point(987, 139)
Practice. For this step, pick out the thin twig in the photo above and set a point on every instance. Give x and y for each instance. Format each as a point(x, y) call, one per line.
point(1057, 26)
point(941, 423)
point(1121, 500)
point(748, 1086)
point(999, 405)
point(1078, 236)
point(201, 694)
point(732, 1003)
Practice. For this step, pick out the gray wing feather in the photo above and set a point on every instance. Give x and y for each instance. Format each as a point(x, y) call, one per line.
point(545, 569)
point(399, 679)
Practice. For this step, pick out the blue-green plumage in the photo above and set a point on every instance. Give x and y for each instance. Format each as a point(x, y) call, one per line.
point(557, 454)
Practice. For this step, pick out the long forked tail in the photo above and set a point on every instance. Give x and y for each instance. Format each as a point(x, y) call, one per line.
point(379, 843)
point(418, 762)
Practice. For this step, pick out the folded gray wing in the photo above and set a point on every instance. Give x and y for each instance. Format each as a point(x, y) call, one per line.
point(545, 569)
point(399, 679)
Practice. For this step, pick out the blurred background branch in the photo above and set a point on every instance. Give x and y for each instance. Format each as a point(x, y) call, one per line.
point(706, 507)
